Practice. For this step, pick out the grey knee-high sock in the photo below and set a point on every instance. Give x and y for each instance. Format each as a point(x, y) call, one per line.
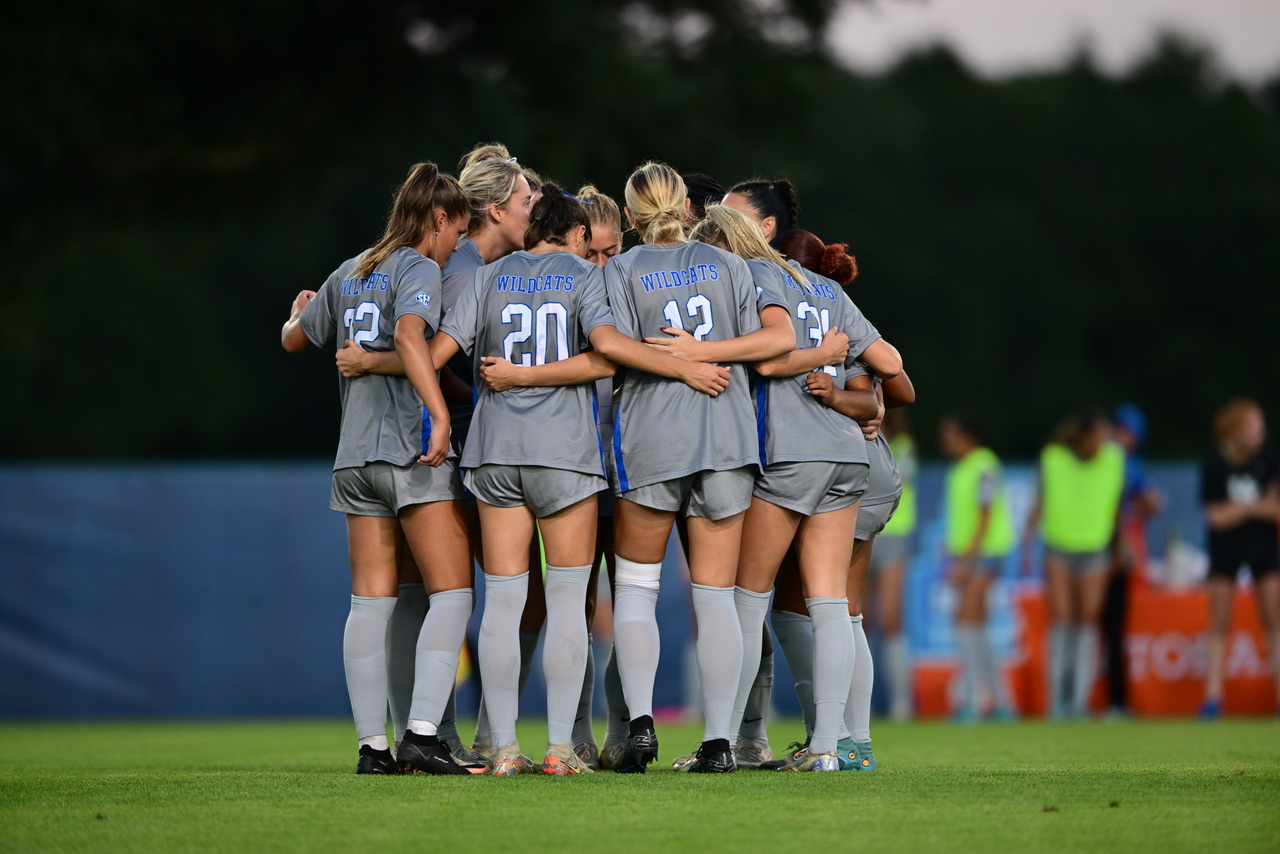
point(582, 729)
point(969, 641)
point(402, 642)
point(528, 646)
point(636, 645)
point(864, 676)
point(1061, 649)
point(755, 717)
point(565, 657)
point(991, 675)
point(443, 630)
point(899, 661)
point(500, 653)
point(719, 656)
point(833, 667)
point(364, 656)
point(1086, 667)
point(619, 716)
point(752, 608)
point(795, 635)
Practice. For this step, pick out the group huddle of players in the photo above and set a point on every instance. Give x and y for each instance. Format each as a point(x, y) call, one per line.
point(519, 392)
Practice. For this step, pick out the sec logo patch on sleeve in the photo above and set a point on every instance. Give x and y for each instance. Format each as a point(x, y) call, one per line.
point(425, 299)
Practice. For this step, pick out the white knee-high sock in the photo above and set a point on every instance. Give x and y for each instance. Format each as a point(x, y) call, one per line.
point(969, 641)
point(443, 631)
point(755, 717)
point(858, 709)
point(833, 651)
point(899, 660)
point(583, 732)
point(402, 644)
point(635, 632)
point(1086, 668)
point(500, 653)
point(795, 635)
point(364, 656)
point(992, 675)
point(719, 656)
point(565, 657)
point(528, 646)
point(752, 608)
point(618, 715)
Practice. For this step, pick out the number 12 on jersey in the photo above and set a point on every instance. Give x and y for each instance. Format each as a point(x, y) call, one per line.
point(698, 307)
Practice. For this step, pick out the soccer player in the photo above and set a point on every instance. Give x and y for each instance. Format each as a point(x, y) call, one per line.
point(392, 471)
point(1240, 488)
point(678, 452)
point(1081, 479)
point(979, 535)
point(534, 458)
point(814, 472)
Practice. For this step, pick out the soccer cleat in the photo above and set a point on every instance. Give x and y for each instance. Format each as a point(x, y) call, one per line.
point(855, 755)
point(589, 754)
point(782, 762)
point(473, 761)
point(508, 761)
point(640, 748)
point(376, 762)
point(751, 753)
point(713, 757)
point(562, 761)
point(683, 762)
point(818, 762)
point(1210, 710)
point(611, 754)
point(426, 754)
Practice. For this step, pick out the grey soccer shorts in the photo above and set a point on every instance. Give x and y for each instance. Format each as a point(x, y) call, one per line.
point(714, 495)
point(813, 487)
point(871, 520)
point(542, 489)
point(384, 489)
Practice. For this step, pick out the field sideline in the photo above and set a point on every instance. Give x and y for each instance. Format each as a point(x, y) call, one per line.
point(286, 786)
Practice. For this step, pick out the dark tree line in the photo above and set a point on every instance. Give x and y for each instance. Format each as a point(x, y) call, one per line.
point(174, 177)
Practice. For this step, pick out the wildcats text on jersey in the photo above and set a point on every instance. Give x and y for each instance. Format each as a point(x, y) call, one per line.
point(819, 288)
point(354, 287)
point(679, 278)
point(532, 284)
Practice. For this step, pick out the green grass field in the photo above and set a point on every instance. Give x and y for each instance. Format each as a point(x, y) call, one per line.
point(1158, 787)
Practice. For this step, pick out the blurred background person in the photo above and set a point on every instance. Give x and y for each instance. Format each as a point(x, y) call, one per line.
point(980, 536)
point(1240, 488)
point(889, 565)
point(1139, 501)
point(1081, 477)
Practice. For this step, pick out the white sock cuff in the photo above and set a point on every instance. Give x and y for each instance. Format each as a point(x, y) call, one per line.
point(568, 573)
point(492, 581)
point(373, 607)
point(646, 575)
point(459, 595)
point(855, 618)
point(748, 596)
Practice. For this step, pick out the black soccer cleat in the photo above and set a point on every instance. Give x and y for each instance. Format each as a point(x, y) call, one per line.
point(426, 754)
point(376, 762)
point(640, 747)
point(713, 757)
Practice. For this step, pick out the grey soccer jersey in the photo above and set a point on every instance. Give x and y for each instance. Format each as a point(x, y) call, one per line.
point(794, 426)
point(458, 273)
point(663, 429)
point(885, 484)
point(382, 416)
point(532, 309)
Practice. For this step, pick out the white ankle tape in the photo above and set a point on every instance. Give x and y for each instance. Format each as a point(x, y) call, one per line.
point(637, 574)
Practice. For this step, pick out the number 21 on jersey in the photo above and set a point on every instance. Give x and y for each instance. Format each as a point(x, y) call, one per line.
point(821, 325)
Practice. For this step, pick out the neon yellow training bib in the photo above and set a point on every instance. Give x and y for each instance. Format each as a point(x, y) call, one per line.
point(964, 484)
point(1079, 497)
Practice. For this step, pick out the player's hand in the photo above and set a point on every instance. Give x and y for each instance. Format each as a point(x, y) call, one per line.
point(437, 446)
point(300, 302)
point(835, 347)
point(498, 373)
point(706, 378)
point(681, 344)
point(350, 360)
point(871, 427)
point(821, 385)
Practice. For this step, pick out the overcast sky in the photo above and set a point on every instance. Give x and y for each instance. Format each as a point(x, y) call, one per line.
point(999, 37)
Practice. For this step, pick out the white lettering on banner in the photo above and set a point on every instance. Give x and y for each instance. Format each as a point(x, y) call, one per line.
point(1173, 656)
